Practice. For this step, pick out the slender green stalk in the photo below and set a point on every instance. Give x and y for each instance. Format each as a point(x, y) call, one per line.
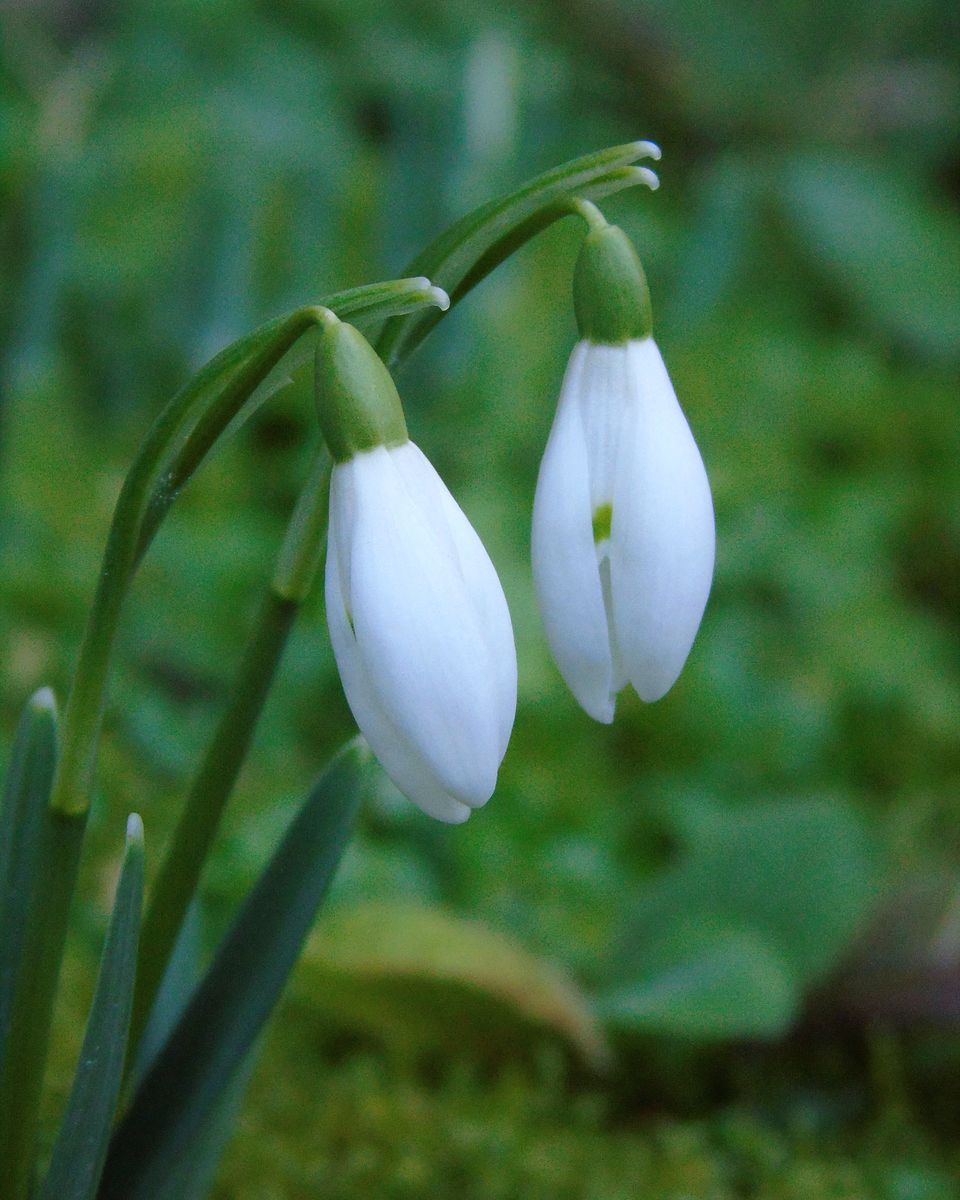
point(214, 781)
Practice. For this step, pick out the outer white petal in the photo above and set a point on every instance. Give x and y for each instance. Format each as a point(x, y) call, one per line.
point(422, 655)
point(564, 558)
point(483, 586)
point(663, 535)
point(398, 757)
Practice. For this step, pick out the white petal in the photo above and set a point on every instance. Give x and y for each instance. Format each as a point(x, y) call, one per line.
point(483, 586)
point(564, 557)
point(663, 536)
point(397, 756)
point(417, 634)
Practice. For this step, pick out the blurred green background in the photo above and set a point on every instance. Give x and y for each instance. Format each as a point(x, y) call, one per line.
point(714, 950)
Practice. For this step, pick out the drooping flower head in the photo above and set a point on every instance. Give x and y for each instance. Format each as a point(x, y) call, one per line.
point(418, 621)
point(623, 526)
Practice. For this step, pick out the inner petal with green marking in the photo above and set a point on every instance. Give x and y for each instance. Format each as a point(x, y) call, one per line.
point(602, 521)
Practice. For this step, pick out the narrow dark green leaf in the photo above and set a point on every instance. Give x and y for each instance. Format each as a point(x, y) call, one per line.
point(180, 1091)
point(193, 1176)
point(34, 991)
point(466, 252)
point(85, 1131)
point(176, 987)
point(26, 792)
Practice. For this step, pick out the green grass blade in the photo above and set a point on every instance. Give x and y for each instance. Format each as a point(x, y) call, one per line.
point(26, 792)
point(461, 256)
point(85, 1130)
point(183, 1086)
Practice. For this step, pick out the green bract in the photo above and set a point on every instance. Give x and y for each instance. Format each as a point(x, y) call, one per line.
point(610, 293)
point(357, 400)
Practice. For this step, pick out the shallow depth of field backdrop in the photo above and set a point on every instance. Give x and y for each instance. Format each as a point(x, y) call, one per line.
point(752, 885)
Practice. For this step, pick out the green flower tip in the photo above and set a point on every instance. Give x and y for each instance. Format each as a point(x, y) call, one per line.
point(610, 293)
point(357, 400)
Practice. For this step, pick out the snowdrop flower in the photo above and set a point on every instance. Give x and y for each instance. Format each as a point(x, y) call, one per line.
point(418, 620)
point(623, 527)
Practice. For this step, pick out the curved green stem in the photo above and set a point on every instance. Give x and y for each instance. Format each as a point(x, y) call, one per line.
point(373, 302)
point(473, 246)
point(589, 212)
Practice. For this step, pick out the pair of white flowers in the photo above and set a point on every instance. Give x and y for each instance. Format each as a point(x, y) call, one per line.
point(622, 550)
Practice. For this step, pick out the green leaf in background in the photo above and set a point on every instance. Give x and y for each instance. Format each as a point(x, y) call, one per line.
point(85, 1130)
point(178, 1096)
point(421, 979)
point(25, 796)
point(470, 249)
point(756, 909)
point(890, 248)
point(717, 982)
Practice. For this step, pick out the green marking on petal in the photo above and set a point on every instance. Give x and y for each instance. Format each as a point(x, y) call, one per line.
point(602, 522)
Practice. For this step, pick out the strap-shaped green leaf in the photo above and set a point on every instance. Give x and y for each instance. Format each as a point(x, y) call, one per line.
point(25, 796)
point(470, 249)
point(85, 1130)
point(38, 855)
point(47, 900)
point(181, 1089)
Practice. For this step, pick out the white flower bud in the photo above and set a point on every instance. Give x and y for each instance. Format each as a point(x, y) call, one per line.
point(420, 630)
point(623, 527)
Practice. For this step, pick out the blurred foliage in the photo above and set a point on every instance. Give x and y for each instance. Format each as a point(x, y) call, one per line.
point(172, 174)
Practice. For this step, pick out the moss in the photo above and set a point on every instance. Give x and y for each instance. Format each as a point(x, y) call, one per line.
point(367, 1127)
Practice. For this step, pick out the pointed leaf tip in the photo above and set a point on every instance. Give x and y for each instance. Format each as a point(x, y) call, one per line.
point(646, 149)
point(442, 300)
point(43, 701)
point(135, 829)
